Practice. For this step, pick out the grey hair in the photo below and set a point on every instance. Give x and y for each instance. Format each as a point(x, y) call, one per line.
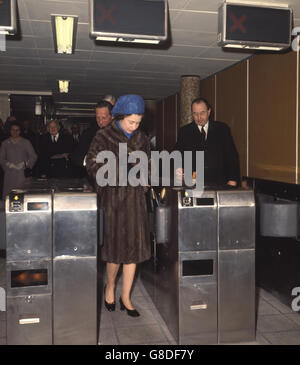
point(109, 98)
point(51, 121)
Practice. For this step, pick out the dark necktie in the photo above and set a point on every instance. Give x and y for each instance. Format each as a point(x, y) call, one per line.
point(202, 138)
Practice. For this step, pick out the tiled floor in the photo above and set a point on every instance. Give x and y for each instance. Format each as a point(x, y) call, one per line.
point(119, 329)
point(277, 324)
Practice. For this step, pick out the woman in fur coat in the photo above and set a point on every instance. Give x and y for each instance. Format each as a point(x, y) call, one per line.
point(126, 233)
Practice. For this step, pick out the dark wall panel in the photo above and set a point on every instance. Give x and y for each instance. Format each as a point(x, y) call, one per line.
point(272, 117)
point(150, 120)
point(232, 107)
point(170, 124)
point(207, 90)
point(160, 125)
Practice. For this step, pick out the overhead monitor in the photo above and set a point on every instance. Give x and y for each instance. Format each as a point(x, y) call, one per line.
point(254, 26)
point(139, 21)
point(8, 23)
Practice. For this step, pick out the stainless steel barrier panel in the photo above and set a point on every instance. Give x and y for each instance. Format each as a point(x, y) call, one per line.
point(198, 298)
point(182, 278)
point(197, 230)
point(29, 226)
point(29, 303)
point(236, 266)
point(197, 221)
point(75, 268)
point(29, 268)
point(202, 280)
point(278, 217)
point(51, 267)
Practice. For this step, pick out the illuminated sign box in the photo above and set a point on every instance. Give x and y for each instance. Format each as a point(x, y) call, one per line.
point(138, 21)
point(8, 24)
point(254, 27)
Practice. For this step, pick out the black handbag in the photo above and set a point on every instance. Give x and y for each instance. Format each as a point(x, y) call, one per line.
point(27, 171)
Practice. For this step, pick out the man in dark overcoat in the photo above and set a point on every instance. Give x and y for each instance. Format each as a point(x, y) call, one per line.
point(103, 118)
point(221, 162)
point(55, 150)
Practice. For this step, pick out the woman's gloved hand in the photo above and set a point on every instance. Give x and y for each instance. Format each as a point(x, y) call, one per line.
point(18, 166)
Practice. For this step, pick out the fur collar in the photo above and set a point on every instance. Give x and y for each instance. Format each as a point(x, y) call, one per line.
point(115, 136)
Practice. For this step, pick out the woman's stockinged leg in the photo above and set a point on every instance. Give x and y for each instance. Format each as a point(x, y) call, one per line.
point(128, 276)
point(112, 271)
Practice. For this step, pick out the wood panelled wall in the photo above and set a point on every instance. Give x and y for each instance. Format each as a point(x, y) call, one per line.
point(258, 98)
point(231, 107)
point(208, 91)
point(160, 125)
point(272, 117)
point(167, 127)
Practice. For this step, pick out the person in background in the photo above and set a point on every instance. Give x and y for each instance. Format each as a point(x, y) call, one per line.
point(41, 131)
point(39, 137)
point(16, 153)
point(221, 162)
point(75, 131)
point(103, 118)
point(55, 150)
point(7, 125)
point(126, 231)
point(110, 98)
point(28, 133)
point(77, 171)
point(2, 133)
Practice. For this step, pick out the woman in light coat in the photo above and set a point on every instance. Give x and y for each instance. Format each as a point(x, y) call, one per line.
point(16, 153)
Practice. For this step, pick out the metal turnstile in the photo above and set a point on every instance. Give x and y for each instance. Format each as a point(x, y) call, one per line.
point(75, 268)
point(201, 277)
point(236, 266)
point(51, 266)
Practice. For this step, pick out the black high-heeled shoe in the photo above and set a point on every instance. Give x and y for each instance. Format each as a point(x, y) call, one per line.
point(130, 312)
point(111, 307)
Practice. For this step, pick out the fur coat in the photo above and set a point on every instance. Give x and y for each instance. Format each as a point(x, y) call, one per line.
point(126, 232)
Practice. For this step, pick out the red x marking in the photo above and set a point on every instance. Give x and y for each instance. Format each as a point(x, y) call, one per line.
point(238, 23)
point(106, 14)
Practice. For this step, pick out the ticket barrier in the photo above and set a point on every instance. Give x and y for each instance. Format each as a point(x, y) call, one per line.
point(51, 267)
point(202, 274)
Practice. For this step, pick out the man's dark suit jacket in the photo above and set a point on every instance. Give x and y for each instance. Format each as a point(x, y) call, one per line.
point(79, 153)
point(221, 162)
point(55, 168)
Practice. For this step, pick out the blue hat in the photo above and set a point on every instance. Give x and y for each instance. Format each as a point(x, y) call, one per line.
point(129, 104)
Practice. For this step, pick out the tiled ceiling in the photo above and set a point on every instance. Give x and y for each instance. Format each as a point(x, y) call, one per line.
point(98, 68)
